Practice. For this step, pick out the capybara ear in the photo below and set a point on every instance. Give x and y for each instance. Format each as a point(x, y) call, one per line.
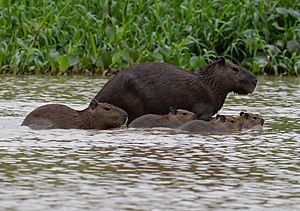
point(220, 61)
point(218, 116)
point(245, 115)
point(173, 111)
point(94, 103)
point(222, 118)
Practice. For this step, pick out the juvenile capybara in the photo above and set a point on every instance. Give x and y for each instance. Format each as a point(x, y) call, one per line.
point(174, 119)
point(151, 88)
point(96, 116)
point(220, 125)
point(251, 120)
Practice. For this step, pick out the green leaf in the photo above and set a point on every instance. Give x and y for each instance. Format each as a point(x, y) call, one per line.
point(261, 61)
point(63, 63)
point(276, 26)
point(282, 11)
point(294, 13)
point(293, 46)
point(195, 62)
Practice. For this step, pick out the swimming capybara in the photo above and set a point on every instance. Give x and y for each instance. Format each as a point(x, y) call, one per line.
point(174, 119)
point(151, 88)
point(251, 120)
point(220, 125)
point(96, 116)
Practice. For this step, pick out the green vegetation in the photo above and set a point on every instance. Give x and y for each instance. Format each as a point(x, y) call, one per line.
point(58, 36)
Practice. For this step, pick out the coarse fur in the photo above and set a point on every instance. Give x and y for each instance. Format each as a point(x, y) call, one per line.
point(251, 120)
point(220, 125)
point(97, 116)
point(174, 119)
point(151, 88)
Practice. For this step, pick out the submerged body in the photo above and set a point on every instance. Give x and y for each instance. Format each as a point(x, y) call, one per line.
point(174, 119)
point(96, 116)
point(152, 88)
point(220, 125)
point(249, 120)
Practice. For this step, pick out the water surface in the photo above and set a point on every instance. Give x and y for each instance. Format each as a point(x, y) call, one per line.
point(147, 169)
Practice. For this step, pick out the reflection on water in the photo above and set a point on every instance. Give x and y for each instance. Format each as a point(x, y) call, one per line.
point(147, 169)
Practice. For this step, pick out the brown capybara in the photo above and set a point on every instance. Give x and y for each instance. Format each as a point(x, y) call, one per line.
point(251, 120)
point(174, 119)
point(220, 125)
point(151, 88)
point(96, 116)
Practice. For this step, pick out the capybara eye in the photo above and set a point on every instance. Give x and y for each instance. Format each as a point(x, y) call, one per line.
point(184, 113)
point(232, 121)
point(107, 108)
point(254, 117)
point(235, 69)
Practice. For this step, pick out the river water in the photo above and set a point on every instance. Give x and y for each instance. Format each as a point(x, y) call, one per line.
point(147, 169)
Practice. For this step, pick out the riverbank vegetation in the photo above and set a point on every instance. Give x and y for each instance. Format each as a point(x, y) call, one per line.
point(75, 36)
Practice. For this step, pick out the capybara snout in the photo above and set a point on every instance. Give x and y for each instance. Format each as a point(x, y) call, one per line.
point(104, 115)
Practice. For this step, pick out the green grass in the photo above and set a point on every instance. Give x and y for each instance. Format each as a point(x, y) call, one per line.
point(75, 36)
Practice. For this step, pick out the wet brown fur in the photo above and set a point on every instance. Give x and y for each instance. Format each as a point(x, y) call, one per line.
point(96, 116)
point(151, 88)
point(174, 119)
point(220, 125)
point(251, 120)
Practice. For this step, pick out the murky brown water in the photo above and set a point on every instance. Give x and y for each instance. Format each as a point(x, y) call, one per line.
point(147, 169)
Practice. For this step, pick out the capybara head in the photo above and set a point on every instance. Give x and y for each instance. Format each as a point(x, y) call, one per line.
point(250, 120)
point(229, 122)
point(104, 115)
point(238, 79)
point(181, 115)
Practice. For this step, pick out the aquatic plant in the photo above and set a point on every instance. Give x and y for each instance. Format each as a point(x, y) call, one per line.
point(76, 36)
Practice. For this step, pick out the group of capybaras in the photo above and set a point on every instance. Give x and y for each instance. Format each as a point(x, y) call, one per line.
point(158, 94)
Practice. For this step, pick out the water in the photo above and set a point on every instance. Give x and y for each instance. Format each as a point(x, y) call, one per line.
point(147, 169)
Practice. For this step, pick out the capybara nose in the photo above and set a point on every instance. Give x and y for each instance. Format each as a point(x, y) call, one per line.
point(126, 118)
point(255, 82)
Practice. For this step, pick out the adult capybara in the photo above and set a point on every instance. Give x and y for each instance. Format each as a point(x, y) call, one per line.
point(96, 116)
point(174, 119)
point(251, 120)
point(220, 125)
point(151, 88)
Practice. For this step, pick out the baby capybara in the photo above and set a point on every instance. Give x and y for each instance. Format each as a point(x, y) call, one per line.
point(96, 116)
point(174, 119)
point(151, 88)
point(220, 125)
point(251, 120)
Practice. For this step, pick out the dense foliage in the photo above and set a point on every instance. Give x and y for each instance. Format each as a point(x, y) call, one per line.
point(58, 36)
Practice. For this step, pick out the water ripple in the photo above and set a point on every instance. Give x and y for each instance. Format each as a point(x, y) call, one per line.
point(159, 169)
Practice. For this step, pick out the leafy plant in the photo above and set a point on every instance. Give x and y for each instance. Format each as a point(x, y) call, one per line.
point(72, 36)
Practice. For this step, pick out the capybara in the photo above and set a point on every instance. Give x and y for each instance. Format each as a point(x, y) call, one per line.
point(151, 88)
point(96, 116)
point(220, 125)
point(174, 119)
point(251, 120)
